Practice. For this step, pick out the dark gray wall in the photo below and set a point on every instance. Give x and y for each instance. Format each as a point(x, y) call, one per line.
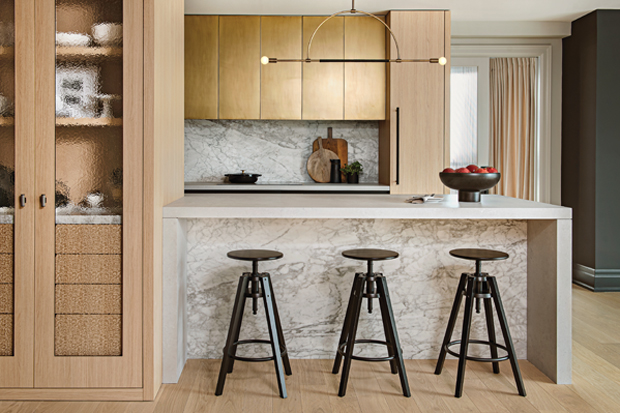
point(608, 140)
point(591, 138)
point(579, 134)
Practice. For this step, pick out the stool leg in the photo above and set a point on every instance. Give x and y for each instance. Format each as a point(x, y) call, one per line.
point(273, 334)
point(345, 328)
point(507, 338)
point(488, 312)
point(231, 362)
point(285, 359)
point(235, 325)
point(469, 304)
point(358, 289)
point(386, 307)
point(390, 347)
point(454, 313)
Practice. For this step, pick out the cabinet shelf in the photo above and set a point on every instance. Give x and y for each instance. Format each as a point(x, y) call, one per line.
point(89, 122)
point(6, 121)
point(73, 53)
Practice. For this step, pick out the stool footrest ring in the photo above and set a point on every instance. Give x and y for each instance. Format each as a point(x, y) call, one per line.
point(252, 359)
point(480, 359)
point(341, 351)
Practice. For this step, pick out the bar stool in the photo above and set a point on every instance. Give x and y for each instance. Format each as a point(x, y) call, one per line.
point(479, 286)
point(375, 286)
point(255, 285)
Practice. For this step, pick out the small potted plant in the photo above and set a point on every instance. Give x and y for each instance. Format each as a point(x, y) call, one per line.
point(353, 172)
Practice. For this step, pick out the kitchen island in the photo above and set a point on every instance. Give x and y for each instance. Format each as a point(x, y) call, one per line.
point(312, 282)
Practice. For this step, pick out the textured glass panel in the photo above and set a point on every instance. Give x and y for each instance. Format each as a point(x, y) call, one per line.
point(463, 116)
point(7, 172)
point(89, 175)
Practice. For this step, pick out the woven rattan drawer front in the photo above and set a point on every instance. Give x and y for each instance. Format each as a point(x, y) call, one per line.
point(88, 335)
point(6, 268)
point(6, 334)
point(6, 298)
point(6, 238)
point(88, 269)
point(88, 299)
point(88, 239)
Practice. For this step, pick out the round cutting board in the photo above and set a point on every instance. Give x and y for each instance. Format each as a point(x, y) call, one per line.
point(319, 165)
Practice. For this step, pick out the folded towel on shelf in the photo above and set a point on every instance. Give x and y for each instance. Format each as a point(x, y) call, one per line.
point(421, 199)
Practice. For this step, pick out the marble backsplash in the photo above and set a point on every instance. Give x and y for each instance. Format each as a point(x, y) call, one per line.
point(313, 281)
point(278, 150)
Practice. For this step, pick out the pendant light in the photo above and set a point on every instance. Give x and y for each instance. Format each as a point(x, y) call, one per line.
point(266, 60)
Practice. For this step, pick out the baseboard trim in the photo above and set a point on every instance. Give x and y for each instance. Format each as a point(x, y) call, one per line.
point(596, 280)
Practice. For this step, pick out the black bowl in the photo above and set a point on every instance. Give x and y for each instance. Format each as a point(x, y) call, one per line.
point(469, 185)
point(242, 178)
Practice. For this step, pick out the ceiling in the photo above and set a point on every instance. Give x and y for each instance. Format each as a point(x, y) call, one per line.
point(462, 10)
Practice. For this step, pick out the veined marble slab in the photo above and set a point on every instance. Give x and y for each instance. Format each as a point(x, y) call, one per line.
point(278, 150)
point(313, 281)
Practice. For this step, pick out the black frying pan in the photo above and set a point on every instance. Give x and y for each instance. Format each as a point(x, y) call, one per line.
point(242, 178)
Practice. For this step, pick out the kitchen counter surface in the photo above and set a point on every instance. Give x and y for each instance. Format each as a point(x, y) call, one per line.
point(356, 206)
point(284, 187)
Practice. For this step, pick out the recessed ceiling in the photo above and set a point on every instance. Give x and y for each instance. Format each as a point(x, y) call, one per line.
point(462, 10)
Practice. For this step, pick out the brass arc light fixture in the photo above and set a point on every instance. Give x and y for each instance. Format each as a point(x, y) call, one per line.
point(266, 60)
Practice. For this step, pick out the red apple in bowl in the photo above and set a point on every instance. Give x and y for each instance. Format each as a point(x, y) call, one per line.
point(463, 171)
point(448, 171)
point(492, 170)
point(472, 167)
point(481, 171)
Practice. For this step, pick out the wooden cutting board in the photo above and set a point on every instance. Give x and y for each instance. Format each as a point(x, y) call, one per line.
point(319, 165)
point(339, 146)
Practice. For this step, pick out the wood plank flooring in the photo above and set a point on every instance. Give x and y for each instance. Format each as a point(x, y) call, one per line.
point(372, 389)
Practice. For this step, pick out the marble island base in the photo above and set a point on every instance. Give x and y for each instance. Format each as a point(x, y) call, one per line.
point(312, 284)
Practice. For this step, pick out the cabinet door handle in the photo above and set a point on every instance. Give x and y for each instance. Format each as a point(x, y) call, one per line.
point(43, 201)
point(22, 200)
point(397, 146)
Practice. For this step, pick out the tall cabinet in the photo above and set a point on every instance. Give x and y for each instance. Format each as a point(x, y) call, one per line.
point(79, 191)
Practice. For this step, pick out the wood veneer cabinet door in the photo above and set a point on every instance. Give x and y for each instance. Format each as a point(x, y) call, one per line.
point(16, 178)
point(201, 67)
point(364, 83)
point(88, 283)
point(239, 68)
point(323, 83)
point(418, 91)
point(281, 82)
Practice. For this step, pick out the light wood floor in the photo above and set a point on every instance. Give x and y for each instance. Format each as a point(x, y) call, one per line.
point(312, 388)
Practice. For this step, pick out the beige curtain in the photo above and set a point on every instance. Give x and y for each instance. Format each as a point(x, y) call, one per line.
point(513, 124)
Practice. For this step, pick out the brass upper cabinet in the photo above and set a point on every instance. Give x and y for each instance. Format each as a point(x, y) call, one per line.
point(414, 138)
point(323, 83)
point(281, 83)
point(364, 83)
point(201, 67)
point(239, 67)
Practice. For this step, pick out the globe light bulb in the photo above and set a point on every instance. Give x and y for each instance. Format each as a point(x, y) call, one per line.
point(264, 60)
point(443, 61)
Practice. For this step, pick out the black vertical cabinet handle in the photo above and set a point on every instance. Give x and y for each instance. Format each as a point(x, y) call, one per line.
point(43, 201)
point(22, 200)
point(397, 146)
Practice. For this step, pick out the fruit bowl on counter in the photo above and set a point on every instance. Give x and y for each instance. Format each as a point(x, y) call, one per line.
point(470, 181)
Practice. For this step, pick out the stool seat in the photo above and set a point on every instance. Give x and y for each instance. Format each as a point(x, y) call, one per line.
point(255, 255)
point(479, 254)
point(370, 254)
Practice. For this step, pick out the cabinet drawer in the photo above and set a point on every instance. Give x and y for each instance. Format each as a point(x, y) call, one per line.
point(88, 269)
point(6, 238)
point(6, 334)
point(6, 298)
point(88, 239)
point(6, 268)
point(88, 299)
point(88, 335)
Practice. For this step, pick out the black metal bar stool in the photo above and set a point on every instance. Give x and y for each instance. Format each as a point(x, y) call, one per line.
point(479, 286)
point(375, 286)
point(255, 285)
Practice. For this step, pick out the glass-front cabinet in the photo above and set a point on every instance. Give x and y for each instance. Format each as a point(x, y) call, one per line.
point(71, 198)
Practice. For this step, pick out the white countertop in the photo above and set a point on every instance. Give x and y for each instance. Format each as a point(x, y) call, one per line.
point(356, 206)
point(285, 187)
